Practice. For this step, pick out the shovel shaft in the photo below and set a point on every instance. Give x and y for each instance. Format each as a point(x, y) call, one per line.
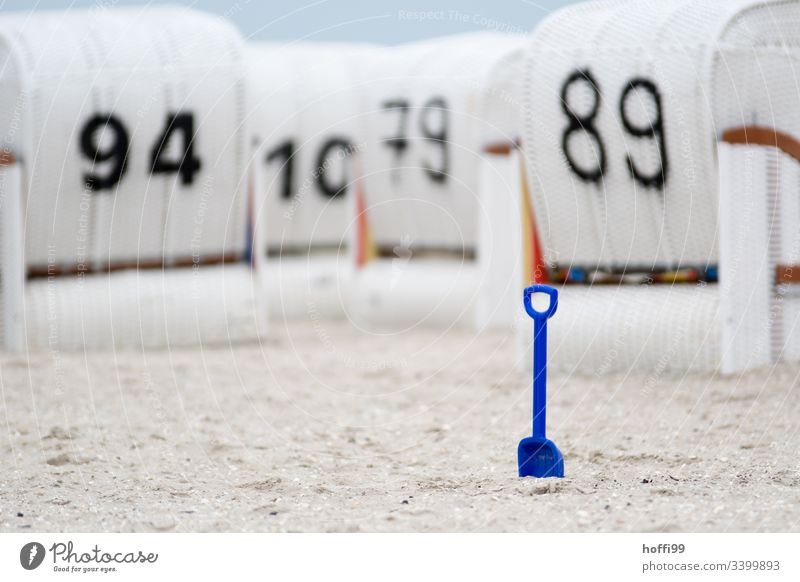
point(539, 377)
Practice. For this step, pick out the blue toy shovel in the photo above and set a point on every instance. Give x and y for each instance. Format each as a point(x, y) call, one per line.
point(537, 455)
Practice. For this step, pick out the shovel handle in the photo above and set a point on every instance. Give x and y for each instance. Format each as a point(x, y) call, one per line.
point(551, 309)
point(540, 353)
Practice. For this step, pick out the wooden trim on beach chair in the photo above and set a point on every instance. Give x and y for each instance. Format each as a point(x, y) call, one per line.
point(770, 137)
point(765, 136)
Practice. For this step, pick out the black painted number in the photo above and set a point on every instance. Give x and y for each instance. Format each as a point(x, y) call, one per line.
point(334, 146)
point(653, 129)
point(433, 124)
point(437, 135)
point(105, 128)
point(583, 123)
point(284, 151)
point(185, 164)
point(104, 140)
point(399, 141)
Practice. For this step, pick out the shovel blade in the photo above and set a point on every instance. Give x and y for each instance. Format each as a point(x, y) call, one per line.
point(539, 457)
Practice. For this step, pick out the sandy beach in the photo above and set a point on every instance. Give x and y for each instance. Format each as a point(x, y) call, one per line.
point(323, 427)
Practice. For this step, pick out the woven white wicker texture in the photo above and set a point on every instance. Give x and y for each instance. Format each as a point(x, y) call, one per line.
point(128, 127)
point(653, 83)
point(139, 67)
point(304, 108)
point(430, 108)
point(627, 101)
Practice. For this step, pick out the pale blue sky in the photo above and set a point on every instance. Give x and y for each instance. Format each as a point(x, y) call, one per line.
point(382, 21)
